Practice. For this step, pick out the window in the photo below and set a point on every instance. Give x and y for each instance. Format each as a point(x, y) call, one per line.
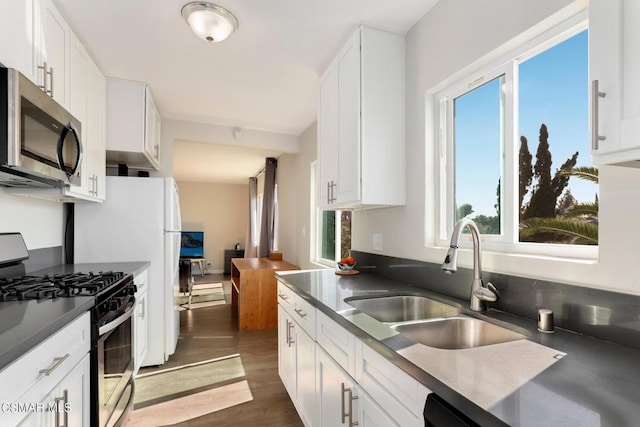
point(514, 152)
point(332, 231)
point(334, 236)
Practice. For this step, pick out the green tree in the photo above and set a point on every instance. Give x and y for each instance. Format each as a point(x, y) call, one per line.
point(464, 211)
point(544, 195)
point(578, 226)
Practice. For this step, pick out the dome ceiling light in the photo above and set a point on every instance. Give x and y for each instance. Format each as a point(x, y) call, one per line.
point(209, 21)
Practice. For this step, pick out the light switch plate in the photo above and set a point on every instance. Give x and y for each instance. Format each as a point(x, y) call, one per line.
point(377, 241)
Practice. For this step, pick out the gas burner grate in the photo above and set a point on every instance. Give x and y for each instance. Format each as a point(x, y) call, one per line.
point(57, 285)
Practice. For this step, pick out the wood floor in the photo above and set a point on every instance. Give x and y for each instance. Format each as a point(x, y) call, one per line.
point(211, 332)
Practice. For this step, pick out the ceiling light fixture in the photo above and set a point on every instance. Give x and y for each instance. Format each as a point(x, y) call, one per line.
point(209, 21)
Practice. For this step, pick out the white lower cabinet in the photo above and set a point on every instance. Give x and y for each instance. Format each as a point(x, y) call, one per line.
point(68, 403)
point(140, 322)
point(342, 401)
point(334, 379)
point(50, 384)
point(296, 365)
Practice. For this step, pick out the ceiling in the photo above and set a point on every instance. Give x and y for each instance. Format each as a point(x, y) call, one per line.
point(264, 77)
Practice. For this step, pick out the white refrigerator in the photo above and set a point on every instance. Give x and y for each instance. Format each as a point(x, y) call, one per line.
point(139, 221)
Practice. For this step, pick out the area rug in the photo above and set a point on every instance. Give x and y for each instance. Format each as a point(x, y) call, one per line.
point(192, 406)
point(202, 295)
point(171, 383)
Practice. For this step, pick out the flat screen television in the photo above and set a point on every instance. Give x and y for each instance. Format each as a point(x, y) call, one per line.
point(192, 244)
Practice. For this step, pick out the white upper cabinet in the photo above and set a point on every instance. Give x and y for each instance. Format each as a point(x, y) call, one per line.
point(53, 39)
point(35, 41)
point(17, 36)
point(614, 66)
point(133, 125)
point(361, 123)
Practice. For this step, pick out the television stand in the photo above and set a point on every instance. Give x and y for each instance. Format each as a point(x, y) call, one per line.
point(200, 262)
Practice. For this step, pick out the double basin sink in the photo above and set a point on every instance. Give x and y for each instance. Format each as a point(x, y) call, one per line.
point(434, 323)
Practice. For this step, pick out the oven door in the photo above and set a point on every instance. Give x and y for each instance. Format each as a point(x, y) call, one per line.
point(115, 364)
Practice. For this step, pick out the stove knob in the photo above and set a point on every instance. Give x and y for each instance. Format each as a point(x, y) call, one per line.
point(113, 305)
point(133, 289)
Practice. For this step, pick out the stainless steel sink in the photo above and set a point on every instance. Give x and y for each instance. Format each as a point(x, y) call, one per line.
point(458, 332)
point(402, 308)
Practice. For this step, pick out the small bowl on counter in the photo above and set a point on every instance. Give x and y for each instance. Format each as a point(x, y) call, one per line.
point(344, 266)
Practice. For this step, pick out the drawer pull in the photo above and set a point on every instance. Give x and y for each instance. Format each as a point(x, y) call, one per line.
point(57, 361)
point(283, 296)
point(300, 312)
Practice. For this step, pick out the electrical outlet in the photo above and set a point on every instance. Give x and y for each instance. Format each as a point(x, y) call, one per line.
point(377, 241)
point(304, 231)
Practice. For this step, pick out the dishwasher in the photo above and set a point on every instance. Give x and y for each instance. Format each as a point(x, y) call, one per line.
point(438, 413)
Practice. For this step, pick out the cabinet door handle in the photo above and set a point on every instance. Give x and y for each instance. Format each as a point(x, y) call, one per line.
point(300, 312)
point(43, 67)
point(283, 296)
point(57, 361)
point(595, 113)
point(347, 414)
point(290, 326)
point(328, 192)
point(50, 81)
point(65, 415)
point(333, 192)
point(142, 310)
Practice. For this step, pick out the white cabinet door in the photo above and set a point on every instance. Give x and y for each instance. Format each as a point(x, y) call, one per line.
point(335, 391)
point(53, 46)
point(371, 414)
point(328, 121)
point(306, 375)
point(152, 129)
point(614, 65)
point(86, 103)
point(17, 35)
point(75, 392)
point(348, 161)
point(286, 352)
point(96, 149)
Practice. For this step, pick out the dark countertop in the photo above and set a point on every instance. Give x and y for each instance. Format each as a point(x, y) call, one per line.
point(597, 383)
point(25, 324)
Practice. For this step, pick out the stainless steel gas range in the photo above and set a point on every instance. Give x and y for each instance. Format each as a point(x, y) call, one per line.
point(111, 354)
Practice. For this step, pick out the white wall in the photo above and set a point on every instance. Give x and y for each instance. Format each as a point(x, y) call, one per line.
point(221, 211)
point(39, 221)
point(459, 35)
point(294, 200)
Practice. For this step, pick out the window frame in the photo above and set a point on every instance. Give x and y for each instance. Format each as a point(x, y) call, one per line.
point(444, 154)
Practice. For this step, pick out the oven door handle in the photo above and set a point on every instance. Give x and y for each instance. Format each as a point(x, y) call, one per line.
point(117, 321)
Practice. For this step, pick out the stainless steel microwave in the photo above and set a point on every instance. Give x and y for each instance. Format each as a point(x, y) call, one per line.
point(40, 142)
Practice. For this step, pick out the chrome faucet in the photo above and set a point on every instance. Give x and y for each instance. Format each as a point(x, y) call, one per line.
point(479, 292)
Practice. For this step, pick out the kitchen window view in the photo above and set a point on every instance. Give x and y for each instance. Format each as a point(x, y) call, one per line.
point(517, 160)
point(335, 239)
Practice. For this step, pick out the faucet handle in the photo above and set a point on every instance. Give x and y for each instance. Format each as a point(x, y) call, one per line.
point(488, 293)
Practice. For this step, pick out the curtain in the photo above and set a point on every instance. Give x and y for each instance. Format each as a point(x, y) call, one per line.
point(267, 226)
point(251, 250)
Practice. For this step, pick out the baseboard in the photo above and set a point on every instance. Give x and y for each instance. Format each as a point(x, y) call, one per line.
point(209, 271)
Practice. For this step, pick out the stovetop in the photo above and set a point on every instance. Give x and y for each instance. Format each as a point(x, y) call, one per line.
point(57, 285)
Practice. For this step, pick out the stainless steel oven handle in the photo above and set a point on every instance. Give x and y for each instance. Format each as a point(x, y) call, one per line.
point(116, 322)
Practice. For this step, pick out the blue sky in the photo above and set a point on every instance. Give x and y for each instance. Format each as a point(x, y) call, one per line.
point(554, 91)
